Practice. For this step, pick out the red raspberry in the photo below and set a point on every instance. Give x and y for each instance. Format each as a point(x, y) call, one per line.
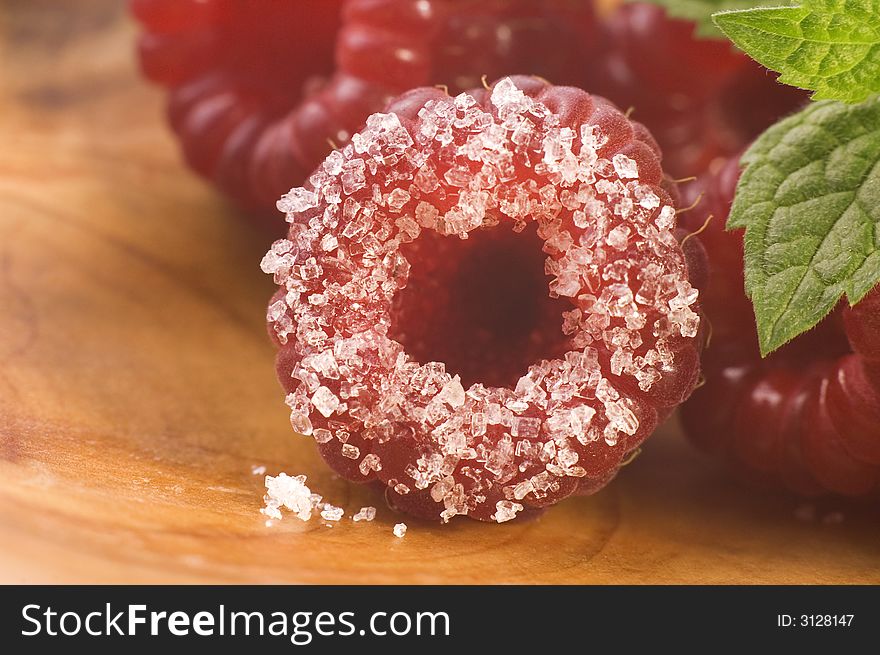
point(701, 98)
point(257, 95)
point(482, 304)
point(807, 416)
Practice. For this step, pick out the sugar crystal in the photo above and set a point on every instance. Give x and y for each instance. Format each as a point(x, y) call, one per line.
point(625, 167)
point(288, 492)
point(297, 200)
point(506, 510)
point(325, 402)
point(364, 514)
point(332, 513)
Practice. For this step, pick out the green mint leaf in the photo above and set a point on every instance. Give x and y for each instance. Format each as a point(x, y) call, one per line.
point(831, 47)
point(700, 12)
point(809, 199)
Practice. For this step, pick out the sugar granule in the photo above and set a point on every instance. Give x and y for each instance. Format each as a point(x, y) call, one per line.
point(399, 530)
point(506, 510)
point(364, 514)
point(332, 513)
point(289, 492)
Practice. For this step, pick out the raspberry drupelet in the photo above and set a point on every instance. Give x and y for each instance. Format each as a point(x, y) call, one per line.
point(259, 93)
point(807, 417)
point(482, 303)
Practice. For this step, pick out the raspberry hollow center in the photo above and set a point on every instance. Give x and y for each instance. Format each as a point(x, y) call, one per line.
point(479, 305)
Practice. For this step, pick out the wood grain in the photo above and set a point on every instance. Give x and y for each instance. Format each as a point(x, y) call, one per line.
point(137, 385)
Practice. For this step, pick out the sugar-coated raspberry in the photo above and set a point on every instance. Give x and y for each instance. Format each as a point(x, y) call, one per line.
point(258, 93)
point(808, 415)
point(700, 98)
point(482, 303)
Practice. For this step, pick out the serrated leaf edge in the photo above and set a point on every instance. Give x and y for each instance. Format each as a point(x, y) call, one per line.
point(759, 149)
point(786, 77)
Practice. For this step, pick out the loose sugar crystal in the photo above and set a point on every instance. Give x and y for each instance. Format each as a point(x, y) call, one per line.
point(364, 514)
point(332, 513)
point(290, 493)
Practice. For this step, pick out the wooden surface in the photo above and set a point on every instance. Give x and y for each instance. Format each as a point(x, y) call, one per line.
point(137, 387)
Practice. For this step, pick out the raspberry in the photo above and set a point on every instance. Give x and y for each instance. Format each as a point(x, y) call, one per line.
point(699, 97)
point(482, 306)
point(808, 415)
point(256, 97)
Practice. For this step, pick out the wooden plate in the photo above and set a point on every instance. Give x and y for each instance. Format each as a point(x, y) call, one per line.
point(137, 387)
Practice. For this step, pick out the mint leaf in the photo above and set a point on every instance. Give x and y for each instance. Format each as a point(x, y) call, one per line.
point(700, 12)
point(831, 47)
point(809, 199)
